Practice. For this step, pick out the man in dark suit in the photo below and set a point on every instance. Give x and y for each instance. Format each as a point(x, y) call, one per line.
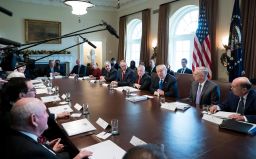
point(241, 101)
point(78, 69)
point(184, 68)
point(152, 67)
point(125, 76)
point(50, 69)
point(143, 80)
point(29, 121)
point(109, 73)
point(164, 84)
point(204, 91)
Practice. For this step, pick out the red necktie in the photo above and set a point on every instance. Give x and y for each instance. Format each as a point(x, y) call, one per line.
point(123, 75)
point(139, 79)
point(41, 139)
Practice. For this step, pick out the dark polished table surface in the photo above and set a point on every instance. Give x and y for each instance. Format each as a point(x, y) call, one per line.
point(184, 134)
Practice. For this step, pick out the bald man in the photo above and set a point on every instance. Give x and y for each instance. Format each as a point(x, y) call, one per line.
point(241, 101)
point(29, 121)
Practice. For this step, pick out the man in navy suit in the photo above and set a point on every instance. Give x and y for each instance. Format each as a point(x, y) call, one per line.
point(29, 121)
point(78, 69)
point(204, 91)
point(143, 80)
point(164, 84)
point(184, 68)
point(241, 101)
point(125, 76)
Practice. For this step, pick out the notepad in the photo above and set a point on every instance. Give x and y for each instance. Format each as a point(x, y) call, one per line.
point(124, 88)
point(60, 109)
point(106, 150)
point(78, 127)
point(47, 99)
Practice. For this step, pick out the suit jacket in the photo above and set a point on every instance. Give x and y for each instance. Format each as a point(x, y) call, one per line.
point(145, 81)
point(187, 70)
point(129, 77)
point(150, 71)
point(47, 70)
point(169, 85)
point(231, 103)
point(82, 71)
point(21, 146)
point(111, 75)
point(210, 93)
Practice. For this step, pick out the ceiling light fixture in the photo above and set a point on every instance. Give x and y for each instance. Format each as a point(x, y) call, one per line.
point(79, 6)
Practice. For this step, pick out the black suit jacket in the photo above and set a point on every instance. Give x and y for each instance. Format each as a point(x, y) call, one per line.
point(231, 103)
point(150, 71)
point(129, 78)
point(111, 75)
point(169, 85)
point(187, 70)
point(47, 71)
point(21, 146)
point(210, 93)
point(145, 81)
point(82, 71)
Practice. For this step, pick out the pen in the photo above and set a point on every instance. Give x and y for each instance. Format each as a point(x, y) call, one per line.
point(107, 132)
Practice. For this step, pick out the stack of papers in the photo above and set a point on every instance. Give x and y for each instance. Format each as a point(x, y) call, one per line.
point(60, 109)
point(137, 98)
point(132, 90)
point(175, 105)
point(107, 150)
point(223, 115)
point(78, 127)
point(41, 91)
point(58, 77)
point(47, 99)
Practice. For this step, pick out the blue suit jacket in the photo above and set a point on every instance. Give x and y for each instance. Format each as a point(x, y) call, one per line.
point(231, 103)
point(82, 71)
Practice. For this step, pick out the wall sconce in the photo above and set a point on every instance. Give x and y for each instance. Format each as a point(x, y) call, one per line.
point(226, 55)
point(79, 6)
point(154, 46)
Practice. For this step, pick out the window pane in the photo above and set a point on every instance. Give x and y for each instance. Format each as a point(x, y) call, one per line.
point(190, 19)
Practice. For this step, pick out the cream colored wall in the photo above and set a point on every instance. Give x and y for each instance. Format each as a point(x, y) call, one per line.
point(13, 27)
point(223, 21)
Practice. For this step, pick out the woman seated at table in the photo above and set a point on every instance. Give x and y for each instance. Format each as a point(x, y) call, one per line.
point(96, 72)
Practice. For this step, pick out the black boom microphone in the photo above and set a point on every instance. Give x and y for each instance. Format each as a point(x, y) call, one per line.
point(86, 40)
point(9, 42)
point(110, 29)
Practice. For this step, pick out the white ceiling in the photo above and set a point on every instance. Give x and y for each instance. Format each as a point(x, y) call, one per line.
point(98, 3)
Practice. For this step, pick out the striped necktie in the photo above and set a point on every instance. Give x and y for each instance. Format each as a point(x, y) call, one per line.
point(240, 107)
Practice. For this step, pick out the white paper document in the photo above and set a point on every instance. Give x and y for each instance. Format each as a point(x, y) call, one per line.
point(41, 91)
point(212, 119)
point(135, 141)
point(47, 99)
point(36, 81)
point(137, 98)
point(38, 86)
point(103, 135)
point(105, 84)
point(58, 77)
point(168, 106)
point(106, 150)
point(175, 105)
point(78, 127)
point(60, 109)
point(75, 115)
point(102, 123)
point(222, 114)
point(124, 88)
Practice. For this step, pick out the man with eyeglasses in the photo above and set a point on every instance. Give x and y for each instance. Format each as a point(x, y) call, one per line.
point(241, 100)
point(109, 73)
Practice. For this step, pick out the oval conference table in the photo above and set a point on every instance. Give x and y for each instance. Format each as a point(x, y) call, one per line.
point(183, 134)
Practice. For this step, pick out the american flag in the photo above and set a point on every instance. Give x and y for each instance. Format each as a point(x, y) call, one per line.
point(202, 45)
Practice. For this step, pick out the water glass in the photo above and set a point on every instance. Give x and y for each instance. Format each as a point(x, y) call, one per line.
point(68, 97)
point(85, 109)
point(128, 92)
point(114, 127)
point(57, 89)
point(162, 100)
point(205, 108)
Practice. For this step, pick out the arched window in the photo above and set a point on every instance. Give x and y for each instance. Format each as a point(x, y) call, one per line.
point(133, 44)
point(183, 25)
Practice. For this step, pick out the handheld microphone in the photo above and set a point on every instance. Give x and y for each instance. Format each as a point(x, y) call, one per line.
point(110, 29)
point(86, 40)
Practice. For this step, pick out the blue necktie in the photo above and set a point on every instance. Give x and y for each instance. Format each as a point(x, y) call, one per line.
point(161, 84)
